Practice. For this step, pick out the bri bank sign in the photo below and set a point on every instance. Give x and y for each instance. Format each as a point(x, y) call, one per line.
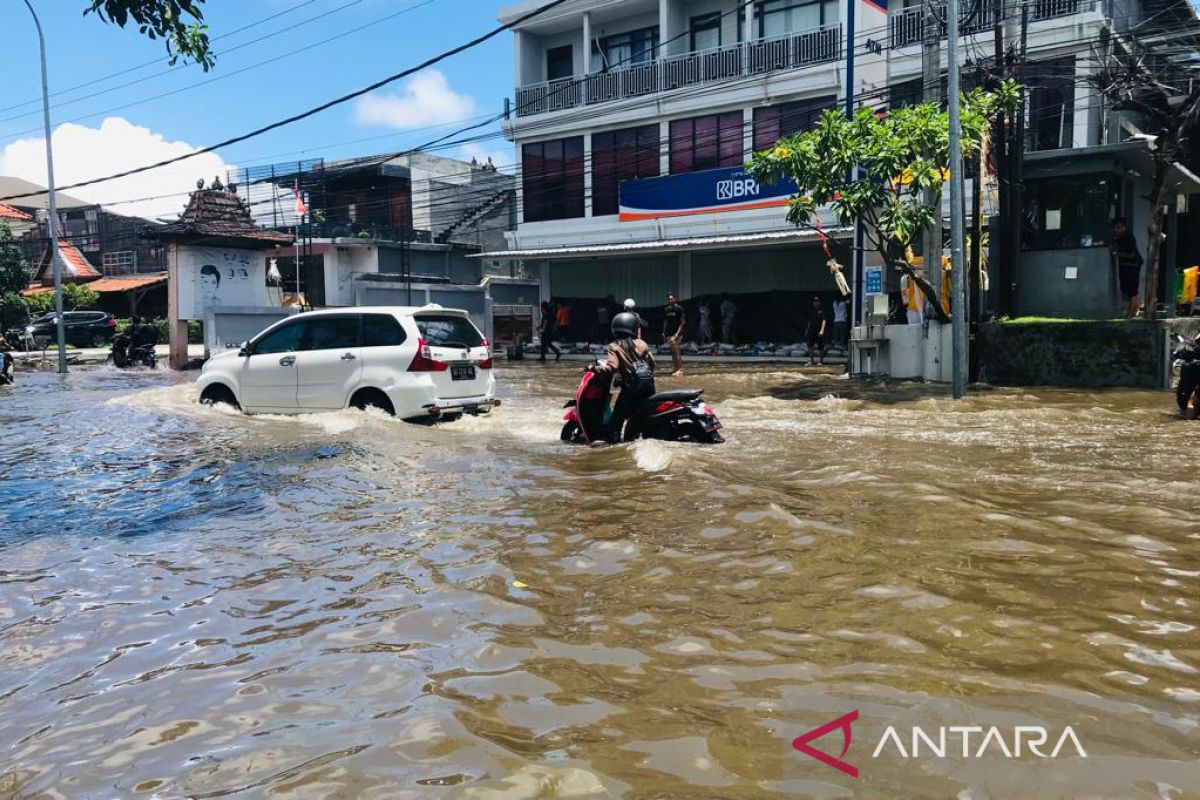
point(706, 192)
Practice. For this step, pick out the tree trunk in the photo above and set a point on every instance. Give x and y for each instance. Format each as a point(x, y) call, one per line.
point(1161, 196)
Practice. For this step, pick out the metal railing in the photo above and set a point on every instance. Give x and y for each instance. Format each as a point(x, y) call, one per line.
point(816, 46)
point(907, 27)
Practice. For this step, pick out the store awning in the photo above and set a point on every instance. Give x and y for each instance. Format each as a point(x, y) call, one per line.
point(1132, 154)
point(773, 239)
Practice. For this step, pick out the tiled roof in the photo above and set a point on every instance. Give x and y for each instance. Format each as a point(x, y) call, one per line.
point(76, 267)
point(110, 284)
point(219, 214)
point(8, 212)
point(75, 262)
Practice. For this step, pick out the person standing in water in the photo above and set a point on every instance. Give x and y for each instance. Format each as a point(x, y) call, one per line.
point(674, 320)
point(547, 332)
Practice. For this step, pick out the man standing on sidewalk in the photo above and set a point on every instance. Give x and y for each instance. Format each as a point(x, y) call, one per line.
point(673, 321)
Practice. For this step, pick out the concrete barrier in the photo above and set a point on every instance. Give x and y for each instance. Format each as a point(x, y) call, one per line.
point(1112, 354)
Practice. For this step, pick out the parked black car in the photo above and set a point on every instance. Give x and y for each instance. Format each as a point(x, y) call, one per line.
point(82, 328)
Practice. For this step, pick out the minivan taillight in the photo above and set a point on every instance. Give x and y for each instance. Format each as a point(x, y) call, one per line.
point(424, 362)
point(112, 322)
point(486, 363)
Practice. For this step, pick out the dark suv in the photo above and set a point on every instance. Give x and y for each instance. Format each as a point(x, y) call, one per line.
point(82, 328)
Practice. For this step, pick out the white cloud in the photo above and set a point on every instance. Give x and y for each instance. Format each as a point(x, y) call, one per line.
point(82, 153)
point(425, 100)
point(501, 157)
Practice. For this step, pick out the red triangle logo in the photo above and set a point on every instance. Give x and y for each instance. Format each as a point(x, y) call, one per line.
point(801, 743)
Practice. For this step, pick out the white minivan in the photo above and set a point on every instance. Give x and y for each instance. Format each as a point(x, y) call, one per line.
point(428, 363)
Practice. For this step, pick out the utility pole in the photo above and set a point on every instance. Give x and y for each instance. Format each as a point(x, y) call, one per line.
point(1000, 156)
point(52, 221)
point(931, 92)
point(958, 296)
point(1016, 157)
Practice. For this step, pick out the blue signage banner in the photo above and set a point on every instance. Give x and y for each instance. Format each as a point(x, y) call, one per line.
point(706, 192)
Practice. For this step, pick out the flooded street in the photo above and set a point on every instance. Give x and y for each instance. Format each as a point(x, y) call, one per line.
point(194, 603)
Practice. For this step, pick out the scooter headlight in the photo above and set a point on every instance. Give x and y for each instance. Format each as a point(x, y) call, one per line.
point(29, 329)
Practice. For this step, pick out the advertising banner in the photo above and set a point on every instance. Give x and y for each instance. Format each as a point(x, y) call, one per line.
point(705, 192)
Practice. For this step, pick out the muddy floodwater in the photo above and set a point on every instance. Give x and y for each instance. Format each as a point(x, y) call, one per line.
point(194, 603)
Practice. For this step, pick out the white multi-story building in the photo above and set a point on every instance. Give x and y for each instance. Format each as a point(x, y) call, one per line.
point(633, 118)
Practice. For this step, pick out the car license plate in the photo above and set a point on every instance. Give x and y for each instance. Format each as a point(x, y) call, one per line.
point(462, 372)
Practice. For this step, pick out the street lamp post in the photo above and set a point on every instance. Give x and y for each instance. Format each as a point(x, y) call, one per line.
point(52, 222)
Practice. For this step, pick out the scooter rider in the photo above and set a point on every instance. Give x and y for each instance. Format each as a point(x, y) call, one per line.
point(629, 357)
point(1189, 374)
point(7, 363)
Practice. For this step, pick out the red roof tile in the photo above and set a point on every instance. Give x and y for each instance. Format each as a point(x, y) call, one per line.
point(75, 262)
point(8, 212)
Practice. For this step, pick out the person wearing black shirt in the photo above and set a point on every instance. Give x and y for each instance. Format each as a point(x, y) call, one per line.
point(817, 324)
point(673, 321)
point(1128, 261)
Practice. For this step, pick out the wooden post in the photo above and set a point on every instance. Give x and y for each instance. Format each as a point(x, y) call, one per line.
point(176, 327)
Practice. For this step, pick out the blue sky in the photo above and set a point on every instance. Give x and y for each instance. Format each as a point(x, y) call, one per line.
point(140, 128)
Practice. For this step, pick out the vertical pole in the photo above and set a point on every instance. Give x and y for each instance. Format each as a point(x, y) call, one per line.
point(958, 306)
point(52, 201)
point(1016, 187)
point(998, 302)
point(856, 302)
point(931, 92)
point(298, 304)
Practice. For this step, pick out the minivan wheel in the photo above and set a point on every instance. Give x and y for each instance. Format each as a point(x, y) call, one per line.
point(99, 340)
point(218, 393)
point(372, 398)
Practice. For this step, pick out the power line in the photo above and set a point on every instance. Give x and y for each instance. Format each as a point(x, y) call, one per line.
point(316, 109)
point(154, 61)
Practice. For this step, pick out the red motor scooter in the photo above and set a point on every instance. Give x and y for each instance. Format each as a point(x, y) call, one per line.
point(675, 416)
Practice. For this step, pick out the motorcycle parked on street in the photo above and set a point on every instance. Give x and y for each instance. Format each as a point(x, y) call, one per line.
point(125, 353)
point(674, 416)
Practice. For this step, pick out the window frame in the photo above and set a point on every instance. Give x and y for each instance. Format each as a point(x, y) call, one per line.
point(807, 111)
point(688, 131)
point(314, 322)
point(564, 183)
point(615, 161)
point(295, 322)
point(638, 36)
point(570, 48)
point(761, 13)
point(702, 23)
point(363, 319)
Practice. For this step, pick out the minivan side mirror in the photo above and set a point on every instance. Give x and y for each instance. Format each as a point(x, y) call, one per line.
point(244, 350)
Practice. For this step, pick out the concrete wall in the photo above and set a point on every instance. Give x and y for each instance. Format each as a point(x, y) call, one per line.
point(1044, 288)
point(1094, 354)
point(226, 328)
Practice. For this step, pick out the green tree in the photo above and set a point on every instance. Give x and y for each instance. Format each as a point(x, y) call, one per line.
point(1168, 107)
point(79, 297)
point(180, 23)
point(14, 276)
point(902, 160)
point(14, 271)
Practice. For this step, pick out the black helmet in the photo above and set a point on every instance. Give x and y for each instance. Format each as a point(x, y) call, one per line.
point(625, 325)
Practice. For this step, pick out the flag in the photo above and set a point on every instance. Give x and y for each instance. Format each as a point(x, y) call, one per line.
point(301, 208)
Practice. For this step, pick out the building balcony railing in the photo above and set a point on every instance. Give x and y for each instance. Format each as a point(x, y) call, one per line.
point(907, 27)
point(790, 51)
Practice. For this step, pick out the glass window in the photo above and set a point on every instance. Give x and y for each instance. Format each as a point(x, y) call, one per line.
point(1051, 103)
point(552, 179)
point(780, 17)
point(775, 122)
point(332, 333)
point(625, 49)
point(284, 339)
point(706, 31)
point(707, 142)
point(448, 331)
point(622, 155)
point(560, 62)
point(382, 330)
point(1069, 211)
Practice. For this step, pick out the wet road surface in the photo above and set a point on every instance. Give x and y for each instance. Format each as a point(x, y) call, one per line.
point(194, 603)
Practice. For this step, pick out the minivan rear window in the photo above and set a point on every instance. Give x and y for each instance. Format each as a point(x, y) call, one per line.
point(443, 330)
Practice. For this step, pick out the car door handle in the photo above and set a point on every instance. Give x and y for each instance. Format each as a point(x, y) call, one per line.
point(287, 361)
point(349, 357)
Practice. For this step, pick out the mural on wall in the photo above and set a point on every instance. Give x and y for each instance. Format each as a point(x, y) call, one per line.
point(212, 278)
